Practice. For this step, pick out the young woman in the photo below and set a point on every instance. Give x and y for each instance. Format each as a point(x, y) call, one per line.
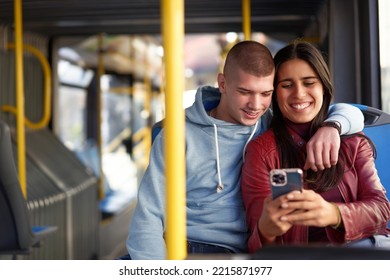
point(340, 204)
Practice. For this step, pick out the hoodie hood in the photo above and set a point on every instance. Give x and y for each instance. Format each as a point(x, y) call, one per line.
point(207, 98)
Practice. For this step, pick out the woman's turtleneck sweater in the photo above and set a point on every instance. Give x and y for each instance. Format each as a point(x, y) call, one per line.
point(302, 129)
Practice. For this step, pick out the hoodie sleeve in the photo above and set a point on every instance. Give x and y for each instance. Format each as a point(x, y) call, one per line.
point(349, 116)
point(146, 232)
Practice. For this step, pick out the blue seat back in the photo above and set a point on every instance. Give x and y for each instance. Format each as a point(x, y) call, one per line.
point(156, 128)
point(377, 127)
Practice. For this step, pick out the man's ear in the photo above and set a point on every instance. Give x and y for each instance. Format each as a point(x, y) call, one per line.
point(221, 83)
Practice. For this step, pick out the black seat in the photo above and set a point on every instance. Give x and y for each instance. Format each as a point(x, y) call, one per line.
point(16, 235)
point(319, 252)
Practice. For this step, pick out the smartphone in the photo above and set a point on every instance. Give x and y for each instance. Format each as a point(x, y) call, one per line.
point(286, 180)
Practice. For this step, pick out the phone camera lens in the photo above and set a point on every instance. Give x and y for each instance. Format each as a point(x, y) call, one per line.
point(279, 179)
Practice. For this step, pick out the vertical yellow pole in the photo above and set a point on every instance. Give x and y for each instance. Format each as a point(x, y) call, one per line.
point(173, 38)
point(246, 19)
point(99, 115)
point(20, 130)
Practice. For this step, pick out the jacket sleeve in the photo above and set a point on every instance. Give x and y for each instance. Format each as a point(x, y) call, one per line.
point(255, 188)
point(147, 226)
point(349, 116)
point(369, 211)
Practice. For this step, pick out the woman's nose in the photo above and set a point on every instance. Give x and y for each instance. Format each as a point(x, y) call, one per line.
point(299, 90)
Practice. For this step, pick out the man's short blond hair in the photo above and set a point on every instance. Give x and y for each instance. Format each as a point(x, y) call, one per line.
point(250, 56)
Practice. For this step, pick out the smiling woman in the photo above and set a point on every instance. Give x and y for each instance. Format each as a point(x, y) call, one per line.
point(329, 209)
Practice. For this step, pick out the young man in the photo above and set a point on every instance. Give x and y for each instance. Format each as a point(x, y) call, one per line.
point(218, 127)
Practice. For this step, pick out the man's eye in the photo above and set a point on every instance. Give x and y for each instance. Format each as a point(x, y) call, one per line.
point(268, 93)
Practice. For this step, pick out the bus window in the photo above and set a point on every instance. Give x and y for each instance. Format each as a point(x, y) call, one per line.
point(384, 44)
point(72, 103)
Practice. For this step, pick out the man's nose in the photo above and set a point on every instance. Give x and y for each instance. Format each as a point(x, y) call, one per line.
point(255, 101)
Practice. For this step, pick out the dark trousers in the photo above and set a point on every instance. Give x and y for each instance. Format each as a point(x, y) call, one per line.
point(203, 248)
point(197, 248)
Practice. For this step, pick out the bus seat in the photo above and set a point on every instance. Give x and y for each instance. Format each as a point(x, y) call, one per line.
point(16, 235)
point(377, 127)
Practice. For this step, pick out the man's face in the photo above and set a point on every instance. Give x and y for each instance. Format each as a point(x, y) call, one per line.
point(245, 98)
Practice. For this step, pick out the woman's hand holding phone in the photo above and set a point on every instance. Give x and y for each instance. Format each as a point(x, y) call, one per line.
point(314, 210)
point(283, 182)
point(270, 224)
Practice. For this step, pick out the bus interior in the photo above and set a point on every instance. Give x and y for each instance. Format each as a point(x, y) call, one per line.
point(94, 85)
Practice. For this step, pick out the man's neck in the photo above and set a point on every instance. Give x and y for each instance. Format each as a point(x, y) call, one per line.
point(213, 113)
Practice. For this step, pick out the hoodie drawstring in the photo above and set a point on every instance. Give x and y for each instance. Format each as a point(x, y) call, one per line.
point(220, 185)
point(247, 141)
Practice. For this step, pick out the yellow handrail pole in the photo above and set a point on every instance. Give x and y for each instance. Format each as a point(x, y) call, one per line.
point(173, 39)
point(246, 19)
point(20, 96)
point(46, 115)
point(99, 115)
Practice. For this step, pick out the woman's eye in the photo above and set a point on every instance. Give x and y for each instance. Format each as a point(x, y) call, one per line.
point(308, 84)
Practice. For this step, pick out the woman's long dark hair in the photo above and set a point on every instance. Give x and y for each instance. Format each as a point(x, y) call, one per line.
point(289, 155)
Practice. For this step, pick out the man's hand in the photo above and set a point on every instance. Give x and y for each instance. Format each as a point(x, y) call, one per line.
point(323, 149)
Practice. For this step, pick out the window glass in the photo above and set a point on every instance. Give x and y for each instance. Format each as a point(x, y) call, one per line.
point(384, 44)
point(69, 73)
point(116, 108)
point(72, 120)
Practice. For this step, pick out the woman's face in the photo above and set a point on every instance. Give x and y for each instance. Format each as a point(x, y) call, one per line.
point(299, 91)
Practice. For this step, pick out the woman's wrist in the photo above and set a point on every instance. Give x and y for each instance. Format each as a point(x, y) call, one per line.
point(338, 213)
point(264, 238)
